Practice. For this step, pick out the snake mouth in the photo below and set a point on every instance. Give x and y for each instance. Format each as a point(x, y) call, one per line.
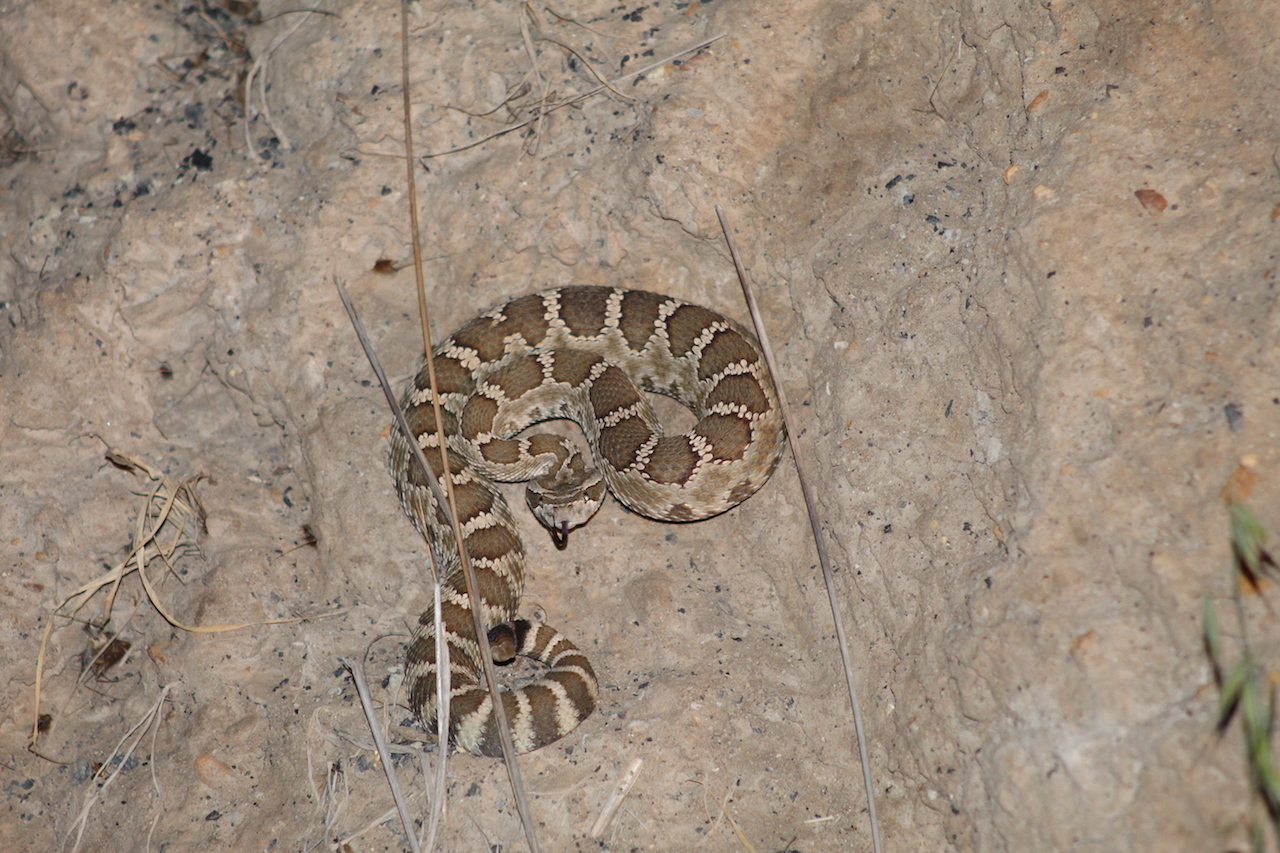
point(560, 535)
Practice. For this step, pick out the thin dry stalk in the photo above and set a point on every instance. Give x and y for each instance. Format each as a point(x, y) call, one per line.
point(438, 782)
point(815, 523)
point(722, 810)
point(468, 571)
point(155, 821)
point(330, 802)
point(345, 740)
point(443, 670)
point(356, 668)
point(544, 96)
point(258, 69)
point(344, 842)
point(100, 786)
point(575, 99)
point(553, 13)
point(97, 665)
point(742, 836)
point(311, 771)
point(508, 101)
point(590, 68)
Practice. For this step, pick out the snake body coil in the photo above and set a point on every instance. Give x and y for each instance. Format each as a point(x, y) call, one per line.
point(587, 354)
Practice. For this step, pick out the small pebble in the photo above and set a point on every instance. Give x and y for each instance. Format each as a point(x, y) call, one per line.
point(212, 772)
point(1152, 201)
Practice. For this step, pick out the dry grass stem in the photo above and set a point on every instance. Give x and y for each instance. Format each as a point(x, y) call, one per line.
point(356, 668)
point(346, 740)
point(815, 524)
point(443, 669)
point(329, 801)
point(468, 571)
point(520, 91)
point(720, 811)
point(544, 96)
point(438, 782)
point(373, 824)
point(741, 836)
point(119, 758)
point(152, 831)
point(553, 13)
point(168, 526)
point(589, 68)
point(576, 99)
point(258, 69)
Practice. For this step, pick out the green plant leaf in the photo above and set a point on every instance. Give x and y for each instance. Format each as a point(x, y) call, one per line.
point(1248, 540)
point(1233, 686)
point(1213, 639)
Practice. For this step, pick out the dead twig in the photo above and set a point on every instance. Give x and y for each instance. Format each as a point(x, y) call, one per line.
point(356, 668)
point(442, 649)
point(582, 60)
point(520, 92)
point(815, 523)
point(544, 95)
point(576, 23)
point(438, 783)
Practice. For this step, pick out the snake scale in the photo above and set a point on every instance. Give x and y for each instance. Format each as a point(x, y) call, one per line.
point(586, 354)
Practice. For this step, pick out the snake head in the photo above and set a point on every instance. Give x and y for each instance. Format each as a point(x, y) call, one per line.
point(565, 501)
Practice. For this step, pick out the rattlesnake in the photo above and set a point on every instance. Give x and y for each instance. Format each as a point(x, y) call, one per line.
point(580, 353)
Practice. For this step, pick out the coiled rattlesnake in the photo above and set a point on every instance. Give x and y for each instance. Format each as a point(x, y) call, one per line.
point(583, 353)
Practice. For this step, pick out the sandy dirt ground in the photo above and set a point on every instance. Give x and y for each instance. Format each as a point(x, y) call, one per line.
point(1019, 263)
